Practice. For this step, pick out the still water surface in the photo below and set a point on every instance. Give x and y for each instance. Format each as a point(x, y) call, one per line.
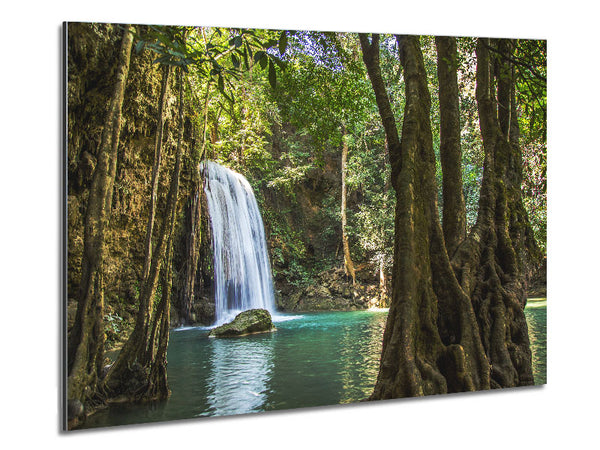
point(313, 359)
point(535, 313)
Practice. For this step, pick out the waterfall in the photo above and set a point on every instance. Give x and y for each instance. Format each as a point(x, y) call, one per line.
point(242, 272)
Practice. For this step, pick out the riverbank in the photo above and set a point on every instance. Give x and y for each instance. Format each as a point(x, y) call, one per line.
point(330, 290)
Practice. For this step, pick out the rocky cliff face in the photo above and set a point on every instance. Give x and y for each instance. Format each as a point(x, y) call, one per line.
point(92, 51)
point(332, 290)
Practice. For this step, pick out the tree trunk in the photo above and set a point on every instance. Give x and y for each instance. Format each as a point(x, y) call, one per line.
point(137, 356)
point(158, 387)
point(370, 50)
point(348, 264)
point(457, 326)
point(86, 340)
point(431, 344)
point(194, 228)
point(156, 169)
point(496, 259)
point(383, 295)
point(192, 242)
point(454, 214)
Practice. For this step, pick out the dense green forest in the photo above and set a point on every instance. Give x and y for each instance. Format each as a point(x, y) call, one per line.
point(391, 171)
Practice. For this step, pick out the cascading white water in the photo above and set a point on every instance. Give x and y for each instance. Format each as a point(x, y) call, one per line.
point(242, 272)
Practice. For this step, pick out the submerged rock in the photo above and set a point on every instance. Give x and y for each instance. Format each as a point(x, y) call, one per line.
point(246, 322)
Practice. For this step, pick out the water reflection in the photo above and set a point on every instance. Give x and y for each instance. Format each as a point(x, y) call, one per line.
point(239, 375)
point(535, 313)
point(359, 363)
point(312, 360)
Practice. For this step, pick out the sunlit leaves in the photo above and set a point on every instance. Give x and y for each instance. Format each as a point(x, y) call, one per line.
point(529, 61)
point(218, 54)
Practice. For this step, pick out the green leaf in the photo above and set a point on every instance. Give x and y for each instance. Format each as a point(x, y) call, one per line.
point(249, 49)
point(221, 88)
point(216, 67)
point(263, 63)
point(235, 61)
point(164, 39)
point(272, 75)
point(281, 64)
point(229, 98)
point(163, 60)
point(139, 46)
point(283, 42)
point(259, 55)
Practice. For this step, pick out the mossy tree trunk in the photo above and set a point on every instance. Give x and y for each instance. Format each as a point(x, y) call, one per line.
point(454, 216)
point(156, 356)
point(193, 237)
point(455, 325)
point(86, 340)
point(495, 261)
point(192, 242)
point(431, 342)
point(139, 358)
point(158, 385)
point(156, 168)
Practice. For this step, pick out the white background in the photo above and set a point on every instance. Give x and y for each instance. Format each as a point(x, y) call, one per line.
point(564, 413)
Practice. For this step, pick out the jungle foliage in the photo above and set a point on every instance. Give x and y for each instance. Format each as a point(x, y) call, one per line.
point(343, 138)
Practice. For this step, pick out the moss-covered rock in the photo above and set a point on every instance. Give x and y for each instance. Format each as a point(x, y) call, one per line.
point(332, 290)
point(246, 322)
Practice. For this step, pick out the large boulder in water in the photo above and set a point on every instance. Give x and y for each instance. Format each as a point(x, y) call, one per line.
point(246, 322)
